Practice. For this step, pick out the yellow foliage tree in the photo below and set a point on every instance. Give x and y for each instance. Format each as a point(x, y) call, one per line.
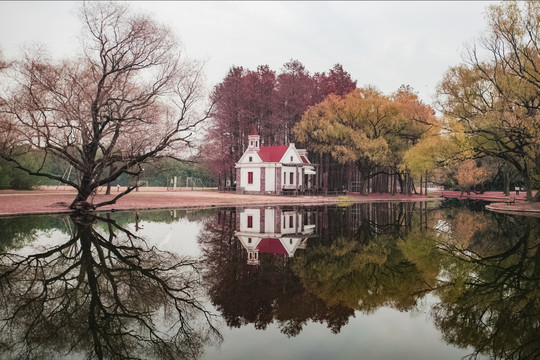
point(495, 101)
point(365, 127)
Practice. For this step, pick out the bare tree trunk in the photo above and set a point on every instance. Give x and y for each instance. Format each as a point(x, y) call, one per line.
point(108, 191)
point(528, 184)
point(506, 178)
point(426, 180)
point(406, 184)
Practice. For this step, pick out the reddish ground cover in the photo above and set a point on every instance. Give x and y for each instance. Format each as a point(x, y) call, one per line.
point(512, 204)
point(52, 200)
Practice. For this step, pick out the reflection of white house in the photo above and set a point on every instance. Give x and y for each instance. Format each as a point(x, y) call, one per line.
point(272, 230)
point(272, 169)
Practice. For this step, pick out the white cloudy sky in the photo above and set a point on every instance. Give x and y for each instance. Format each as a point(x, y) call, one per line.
point(385, 44)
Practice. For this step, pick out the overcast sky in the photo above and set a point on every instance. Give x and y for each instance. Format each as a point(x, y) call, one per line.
point(385, 44)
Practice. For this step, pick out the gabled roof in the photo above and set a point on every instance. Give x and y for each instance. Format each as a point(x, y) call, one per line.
point(271, 246)
point(272, 153)
point(304, 159)
point(254, 131)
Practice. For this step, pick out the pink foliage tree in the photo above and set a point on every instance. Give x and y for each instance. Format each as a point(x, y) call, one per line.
point(272, 103)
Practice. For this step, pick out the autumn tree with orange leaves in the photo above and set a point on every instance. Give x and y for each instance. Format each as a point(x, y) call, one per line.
point(370, 129)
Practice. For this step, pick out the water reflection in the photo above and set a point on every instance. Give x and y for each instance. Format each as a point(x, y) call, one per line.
point(273, 230)
point(107, 293)
point(490, 294)
point(483, 267)
point(104, 293)
point(269, 292)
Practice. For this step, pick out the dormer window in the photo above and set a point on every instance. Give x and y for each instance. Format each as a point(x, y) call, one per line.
point(250, 159)
point(251, 143)
point(291, 158)
point(256, 144)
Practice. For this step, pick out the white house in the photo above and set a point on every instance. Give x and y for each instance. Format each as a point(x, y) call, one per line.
point(273, 169)
point(273, 230)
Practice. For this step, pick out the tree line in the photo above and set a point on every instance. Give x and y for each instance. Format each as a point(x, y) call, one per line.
point(130, 97)
point(271, 102)
point(486, 135)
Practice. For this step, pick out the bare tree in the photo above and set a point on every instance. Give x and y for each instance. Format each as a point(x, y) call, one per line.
point(128, 97)
point(3, 63)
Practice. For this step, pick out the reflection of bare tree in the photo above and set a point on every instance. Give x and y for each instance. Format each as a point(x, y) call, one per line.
point(103, 294)
point(490, 299)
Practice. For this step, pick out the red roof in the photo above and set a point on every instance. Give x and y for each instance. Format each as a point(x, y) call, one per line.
point(254, 131)
point(272, 153)
point(304, 159)
point(271, 246)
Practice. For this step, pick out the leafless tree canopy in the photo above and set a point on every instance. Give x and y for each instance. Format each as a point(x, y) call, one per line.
point(128, 97)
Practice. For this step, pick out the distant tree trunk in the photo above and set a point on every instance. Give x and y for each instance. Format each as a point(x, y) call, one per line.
point(108, 192)
point(528, 184)
point(421, 186)
point(386, 181)
point(425, 180)
point(506, 185)
point(407, 184)
point(412, 189)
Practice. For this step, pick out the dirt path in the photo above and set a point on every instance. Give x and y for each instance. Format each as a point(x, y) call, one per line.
point(50, 200)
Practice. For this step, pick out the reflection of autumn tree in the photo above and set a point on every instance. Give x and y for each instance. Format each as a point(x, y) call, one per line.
point(262, 295)
point(358, 256)
point(459, 226)
point(362, 276)
point(102, 294)
point(490, 298)
point(372, 255)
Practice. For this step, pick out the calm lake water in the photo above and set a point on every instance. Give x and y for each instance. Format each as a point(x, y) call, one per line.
point(364, 281)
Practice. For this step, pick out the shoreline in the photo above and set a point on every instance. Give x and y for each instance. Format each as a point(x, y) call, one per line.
point(49, 200)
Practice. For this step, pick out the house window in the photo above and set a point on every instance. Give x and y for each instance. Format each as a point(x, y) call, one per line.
point(250, 159)
point(290, 241)
point(292, 178)
point(251, 143)
point(250, 221)
point(250, 177)
point(256, 144)
point(249, 240)
point(291, 159)
point(291, 221)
